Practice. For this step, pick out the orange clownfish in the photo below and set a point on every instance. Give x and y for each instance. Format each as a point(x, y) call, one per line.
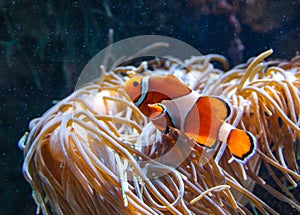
point(168, 102)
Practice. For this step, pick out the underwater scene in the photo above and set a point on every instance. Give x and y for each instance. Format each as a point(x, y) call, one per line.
point(150, 107)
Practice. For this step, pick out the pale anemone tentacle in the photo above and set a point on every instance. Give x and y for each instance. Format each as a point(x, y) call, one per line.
point(97, 143)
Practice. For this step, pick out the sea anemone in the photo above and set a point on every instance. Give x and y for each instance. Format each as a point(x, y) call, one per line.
point(95, 153)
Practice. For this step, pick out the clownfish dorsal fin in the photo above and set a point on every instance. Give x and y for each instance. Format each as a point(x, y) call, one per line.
point(219, 106)
point(171, 76)
point(165, 88)
point(176, 80)
point(241, 144)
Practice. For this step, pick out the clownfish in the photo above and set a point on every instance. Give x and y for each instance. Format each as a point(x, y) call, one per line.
point(168, 102)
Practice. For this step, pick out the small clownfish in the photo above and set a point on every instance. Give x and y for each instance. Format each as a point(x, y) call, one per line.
point(168, 102)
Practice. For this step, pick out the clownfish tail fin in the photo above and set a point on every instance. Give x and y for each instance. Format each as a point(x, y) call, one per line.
point(241, 144)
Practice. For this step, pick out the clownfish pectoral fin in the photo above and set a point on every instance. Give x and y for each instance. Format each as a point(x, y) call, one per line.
point(241, 144)
point(159, 116)
point(156, 111)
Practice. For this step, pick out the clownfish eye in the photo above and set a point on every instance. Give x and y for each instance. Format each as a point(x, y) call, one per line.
point(135, 83)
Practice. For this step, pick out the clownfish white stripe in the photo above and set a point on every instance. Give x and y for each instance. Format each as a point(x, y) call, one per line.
point(144, 90)
point(193, 97)
point(184, 104)
point(224, 131)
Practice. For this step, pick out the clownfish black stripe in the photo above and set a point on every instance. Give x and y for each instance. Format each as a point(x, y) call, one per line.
point(144, 91)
